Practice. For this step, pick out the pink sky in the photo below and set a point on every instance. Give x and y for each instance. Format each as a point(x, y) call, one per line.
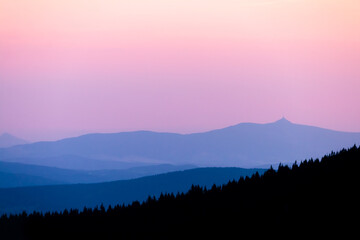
point(71, 67)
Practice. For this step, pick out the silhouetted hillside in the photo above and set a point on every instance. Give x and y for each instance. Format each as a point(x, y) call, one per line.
point(311, 199)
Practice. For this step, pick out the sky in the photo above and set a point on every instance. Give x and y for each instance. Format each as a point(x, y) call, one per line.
point(69, 67)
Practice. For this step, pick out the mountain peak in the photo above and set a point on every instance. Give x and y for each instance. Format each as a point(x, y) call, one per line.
point(7, 135)
point(283, 120)
point(8, 140)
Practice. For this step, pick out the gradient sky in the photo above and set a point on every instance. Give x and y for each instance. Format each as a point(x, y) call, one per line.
point(69, 67)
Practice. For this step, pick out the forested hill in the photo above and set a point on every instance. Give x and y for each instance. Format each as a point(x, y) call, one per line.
point(314, 195)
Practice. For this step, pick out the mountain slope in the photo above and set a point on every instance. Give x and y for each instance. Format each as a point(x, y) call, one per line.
point(46, 198)
point(9, 180)
point(313, 198)
point(7, 140)
point(73, 162)
point(242, 145)
point(19, 175)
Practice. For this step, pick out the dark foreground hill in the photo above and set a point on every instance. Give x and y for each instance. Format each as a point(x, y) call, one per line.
point(312, 199)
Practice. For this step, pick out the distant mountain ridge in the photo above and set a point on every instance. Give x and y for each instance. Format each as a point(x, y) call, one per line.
point(21, 175)
point(8, 140)
point(244, 145)
point(51, 198)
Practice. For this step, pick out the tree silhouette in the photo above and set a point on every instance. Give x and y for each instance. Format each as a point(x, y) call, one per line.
point(314, 195)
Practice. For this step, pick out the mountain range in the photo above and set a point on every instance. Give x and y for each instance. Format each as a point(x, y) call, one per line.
point(244, 145)
point(21, 175)
point(311, 198)
point(59, 197)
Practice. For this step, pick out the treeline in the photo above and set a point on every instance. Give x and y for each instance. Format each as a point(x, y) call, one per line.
point(314, 195)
